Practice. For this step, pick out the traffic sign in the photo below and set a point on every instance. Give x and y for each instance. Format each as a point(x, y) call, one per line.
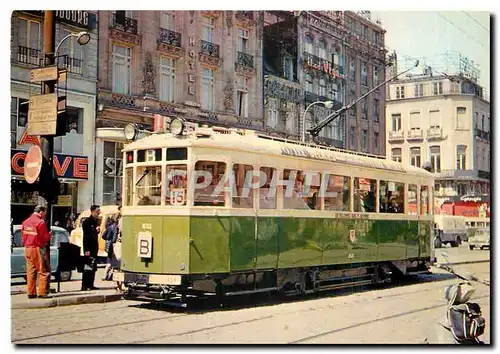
point(49, 73)
point(33, 164)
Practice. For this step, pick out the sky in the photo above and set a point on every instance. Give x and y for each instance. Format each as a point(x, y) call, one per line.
point(437, 37)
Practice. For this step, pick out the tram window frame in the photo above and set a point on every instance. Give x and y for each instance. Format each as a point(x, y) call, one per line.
point(157, 200)
point(296, 199)
point(213, 167)
point(172, 154)
point(328, 201)
point(242, 183)
point(416, 203)
point(356, 195)
point(269, 200)
point(176, 193)
point(390, 203)
point(424, 206)
point(144, 156)
point(129, 187)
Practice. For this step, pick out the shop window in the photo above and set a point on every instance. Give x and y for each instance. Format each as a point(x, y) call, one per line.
point(242, 190)
point(112, 172)
point(210, 186)
point(392, 197)
point(336, 192)
point(364, 195)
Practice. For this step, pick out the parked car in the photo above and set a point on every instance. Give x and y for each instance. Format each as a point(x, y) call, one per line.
point(18, 262)
point(480, 239)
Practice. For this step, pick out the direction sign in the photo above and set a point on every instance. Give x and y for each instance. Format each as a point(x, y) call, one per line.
point(49, 73)
point(42, 114)
point(33, 164)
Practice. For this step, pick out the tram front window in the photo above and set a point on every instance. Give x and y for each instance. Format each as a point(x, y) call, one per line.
point(148, 185)
point(176, 181)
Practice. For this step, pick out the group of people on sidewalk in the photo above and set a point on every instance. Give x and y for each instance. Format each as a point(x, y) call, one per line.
point(36, 239)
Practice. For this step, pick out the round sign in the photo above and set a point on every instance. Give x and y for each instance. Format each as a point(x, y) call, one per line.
point(33, 164)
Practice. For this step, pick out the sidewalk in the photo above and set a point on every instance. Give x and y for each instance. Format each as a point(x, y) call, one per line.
point(70, 293)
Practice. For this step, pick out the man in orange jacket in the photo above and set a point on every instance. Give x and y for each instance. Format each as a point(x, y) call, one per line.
point(35, 238)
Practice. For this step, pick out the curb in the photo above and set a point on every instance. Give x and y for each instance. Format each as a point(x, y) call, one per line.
point(76, 300)
point(440, 265)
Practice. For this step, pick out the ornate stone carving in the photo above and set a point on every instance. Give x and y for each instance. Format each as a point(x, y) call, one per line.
point(229, 96)
point(171, 50)
point(124, 37)
point(245, 18)
point(229, 21)
point(211, 14)
point(148, 70)
point(244, 70)
point(210, 60)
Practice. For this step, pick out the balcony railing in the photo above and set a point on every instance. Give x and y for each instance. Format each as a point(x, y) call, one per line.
point(244, 59)
point(28, 55)
point(169, 37)
point(415, 134)
point(396, 135)
point(73, 65)
point(482, 134)
point(434, 133)
point(209, 48)
point(321, 64)
point(125, 24)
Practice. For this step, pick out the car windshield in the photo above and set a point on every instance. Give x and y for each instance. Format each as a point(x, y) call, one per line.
point(482, 233)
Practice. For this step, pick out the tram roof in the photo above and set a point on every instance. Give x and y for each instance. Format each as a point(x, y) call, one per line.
point(251, 141)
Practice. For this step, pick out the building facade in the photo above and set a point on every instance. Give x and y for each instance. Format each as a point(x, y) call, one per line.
point(443, 120)
point(336, 56)
point(74, 152)
point(203, 66)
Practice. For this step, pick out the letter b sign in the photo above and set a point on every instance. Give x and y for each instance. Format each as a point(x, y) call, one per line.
point(144, 244)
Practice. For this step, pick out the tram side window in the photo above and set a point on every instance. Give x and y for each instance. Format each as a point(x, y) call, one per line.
point(242, 190)
point(176, 182)
point(412, 199)
point(148, 185)
point(364, 195)
point(424, 200)
point(301, 190)
point(129, 188)
point(336, 192)
point(392, 197)
point(209, 187)
point(267, 191)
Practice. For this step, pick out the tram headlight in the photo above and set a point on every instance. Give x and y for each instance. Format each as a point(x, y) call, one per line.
point(130, 131)
point(177, 126)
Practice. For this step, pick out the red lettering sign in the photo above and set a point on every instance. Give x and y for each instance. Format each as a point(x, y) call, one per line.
point(20, 156)
point(28, 139)
point(80, 167)
point(61, 171)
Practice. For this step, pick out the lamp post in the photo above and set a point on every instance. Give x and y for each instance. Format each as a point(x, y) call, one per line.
point(327, 104)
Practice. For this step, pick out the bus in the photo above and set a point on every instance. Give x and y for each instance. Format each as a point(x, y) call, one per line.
point(224, 212)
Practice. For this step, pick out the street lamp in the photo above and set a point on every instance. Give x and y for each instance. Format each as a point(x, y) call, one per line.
point(327, 104)
point(83, 38)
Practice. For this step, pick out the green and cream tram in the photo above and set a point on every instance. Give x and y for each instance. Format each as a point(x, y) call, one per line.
point(308, 218)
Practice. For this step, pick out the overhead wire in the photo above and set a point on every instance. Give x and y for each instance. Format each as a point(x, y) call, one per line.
point(461, 30)
point(476, 21)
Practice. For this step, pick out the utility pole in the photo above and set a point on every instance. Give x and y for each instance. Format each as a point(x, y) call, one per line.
point(49, 47)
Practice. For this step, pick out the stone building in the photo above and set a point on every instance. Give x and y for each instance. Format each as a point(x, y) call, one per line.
point(203, 66)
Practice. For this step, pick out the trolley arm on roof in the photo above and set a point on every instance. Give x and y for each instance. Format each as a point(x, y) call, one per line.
point(314, 131)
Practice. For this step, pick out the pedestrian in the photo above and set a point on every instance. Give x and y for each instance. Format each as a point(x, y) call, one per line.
point(110, 235)
point(91, 231)
point(36, 237)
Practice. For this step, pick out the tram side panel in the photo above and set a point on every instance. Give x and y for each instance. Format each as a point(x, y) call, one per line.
point(412, 240)
point(242, 243)
point(392, 240)
point(268, 231)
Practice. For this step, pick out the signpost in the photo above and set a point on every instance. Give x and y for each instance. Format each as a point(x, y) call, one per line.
point(42, 114)
point(47, 73)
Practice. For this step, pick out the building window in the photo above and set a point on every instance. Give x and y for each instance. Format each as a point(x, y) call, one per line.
point(415, 121)
point(396, 122)
point(309, 44)
point(74, 120)
point(376, 142)
point(364, 31)
point(461, 157)
point(242, 40)
point(352, 138)
point(242, 98)
point(397, 155)
point(461, 189)
point(434, 119)
point(352, 70)
point(375, 75)
point(438, 88)
point(483, 127)
point(375, 110)
point(364, 140)
point(71, 54)
point(18, 118)
point(400, 92)
point(167, 79)
point(415, 156)
point(419, 90)
point(364, 109)
point(435, 158)
point(461, 118)
point(207, 89)
point(272, 113)
point(112, 173)
point(288, 61)
point(364, 74)
point(322, 50)
point(29, 41)
point(208, 29)
point(309, 83)
point(166, 20)
point(122, 59)
point(322, 87)
point(374, 38)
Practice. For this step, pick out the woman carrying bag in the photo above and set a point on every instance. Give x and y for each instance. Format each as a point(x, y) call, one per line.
point(111, 237)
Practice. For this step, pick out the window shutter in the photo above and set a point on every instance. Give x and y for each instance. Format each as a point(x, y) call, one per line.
point(414, 120)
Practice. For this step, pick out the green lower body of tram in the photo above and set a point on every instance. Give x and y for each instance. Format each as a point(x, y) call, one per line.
point(231, 255)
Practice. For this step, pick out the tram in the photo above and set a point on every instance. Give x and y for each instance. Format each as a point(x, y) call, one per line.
point(224, 212)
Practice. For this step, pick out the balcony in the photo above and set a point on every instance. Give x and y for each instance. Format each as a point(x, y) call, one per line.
point(481, 134)
point(169, 42)
point(415, 135)
point(29, 56)
point(125, 24)
point(323, 65)
point(124, 29)
point(244, 64)
point(73, 65)
point(435, 133)
point(458, 174)
point(209, 54)
point(395, 136)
